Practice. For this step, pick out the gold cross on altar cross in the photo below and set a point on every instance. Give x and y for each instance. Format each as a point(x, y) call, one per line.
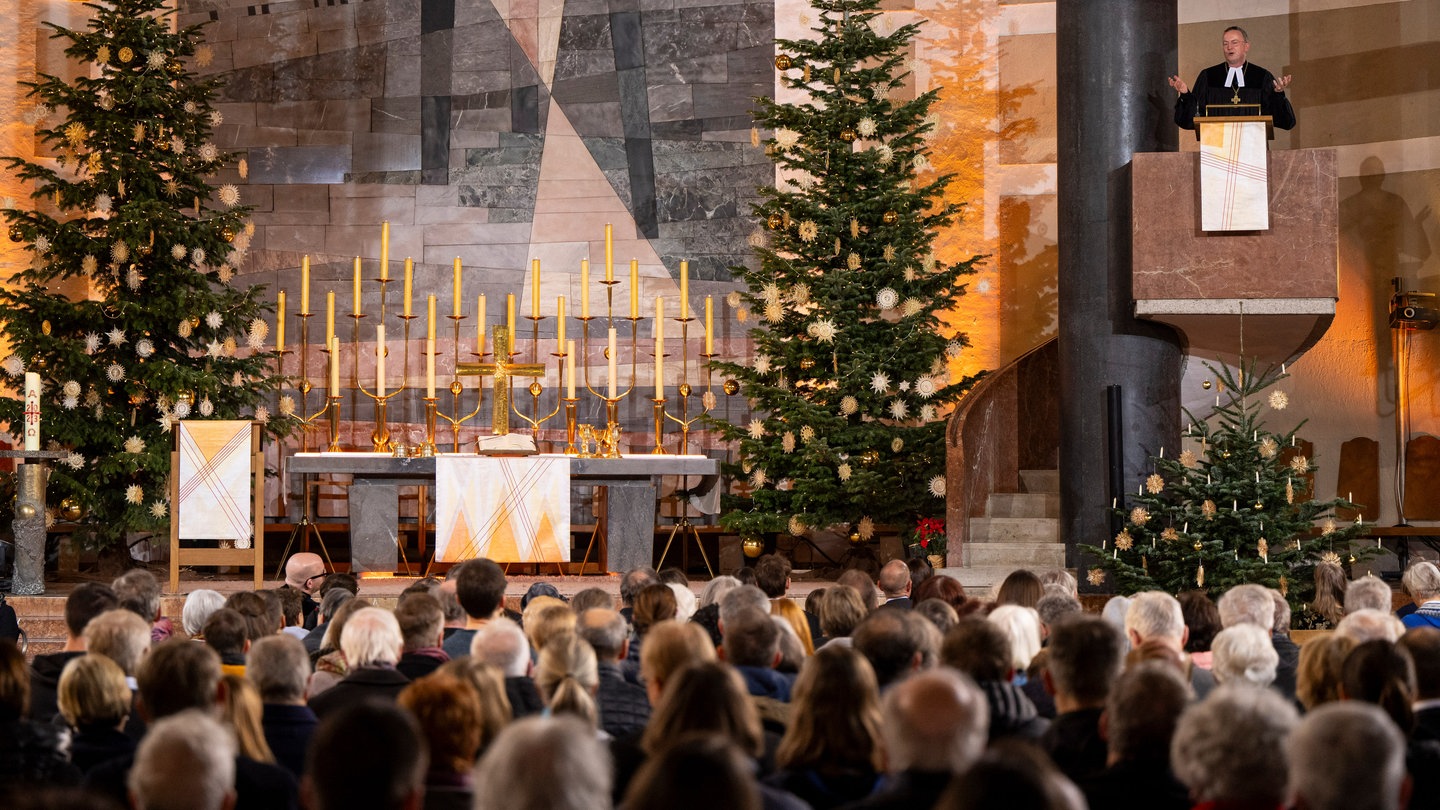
point(502, 372)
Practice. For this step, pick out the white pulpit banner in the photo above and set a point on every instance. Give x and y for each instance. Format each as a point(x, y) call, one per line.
point(214, 480)
point(1234, 187)
point(507, 509)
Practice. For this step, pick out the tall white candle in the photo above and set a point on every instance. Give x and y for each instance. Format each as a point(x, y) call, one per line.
point(659, 347)
point(509, 326)
point(684, 289)
point(609, 252)
point(584, 288)
point(409, 282)
point(430, 312)
point(634, 288)
point(32, 411)
point(612, 351)
point(430, 364)
point(380, 360)
point(357, 310)
point(305, 285)
point(480, 326)
point(334, 366)
point(280, 322)
point(455, 294)
point(385, 250)
point(570, 369)
point(329, 316)
point(560, 323)
point(535, 288)
point(709, 324)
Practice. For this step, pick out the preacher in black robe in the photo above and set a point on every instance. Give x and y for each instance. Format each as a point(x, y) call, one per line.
point(1209, 88)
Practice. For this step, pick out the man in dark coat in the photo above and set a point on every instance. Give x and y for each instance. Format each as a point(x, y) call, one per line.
point(1235, 78)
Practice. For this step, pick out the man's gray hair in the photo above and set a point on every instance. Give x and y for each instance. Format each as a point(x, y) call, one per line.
point(332, 600)
point(279, 666)
point(1055, 604)
point(1369, 593)
point(936, 720)
point(1232, 746)
point(120, 635)
point(605, 630)
point(553, 762)
point(1369, 625)
point(185, 762)
point(1244, 654)
point(502, 643)
point(138, 591)
point(716, 589)
point(1346, 755)
point(1060, 578)
point(1247, 603)
point(736, 600)
point(1421, 581)
point(371, 637)
point(1155, 614)
point(198, 607)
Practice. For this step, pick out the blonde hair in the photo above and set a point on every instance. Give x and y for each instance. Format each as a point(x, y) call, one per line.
point(672, 646)
point(489, 683)
point(93, 691)
point(567, 676)
point(787, 609)
point(550, 619)
point(242, 712)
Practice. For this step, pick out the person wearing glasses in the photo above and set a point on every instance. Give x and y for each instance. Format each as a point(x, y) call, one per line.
point(1235, 81)
point(305, 572)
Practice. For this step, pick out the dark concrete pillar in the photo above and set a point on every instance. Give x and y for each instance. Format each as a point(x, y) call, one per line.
point(1112, 59)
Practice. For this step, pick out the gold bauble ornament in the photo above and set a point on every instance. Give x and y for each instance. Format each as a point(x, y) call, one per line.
point(783, 62)
point(855, 538)
point(753, 547)
point(775, 222)
point(848, 135)
point(684, 389)
point(71, 510)
point(806, 362)
point(45, 327)
point(869, 457)
point(1199, 546)
point(25, 511)
point(228, 234)
point(1205, 385)
point(535, 389)
point(456, 387)
point(731, 387)
point(16, 234)
point(890, 217)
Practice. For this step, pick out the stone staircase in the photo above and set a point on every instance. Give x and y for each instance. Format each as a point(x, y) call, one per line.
point(1019, 530)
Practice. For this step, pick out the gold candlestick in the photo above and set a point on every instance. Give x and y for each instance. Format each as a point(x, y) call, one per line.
point(570, 447)
point(659, 427)
point(427, 449)
point(456, 388)
point(334, 422)
point(612, 426)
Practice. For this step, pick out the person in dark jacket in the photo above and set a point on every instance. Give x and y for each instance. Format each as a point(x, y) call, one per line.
point(85, 602)
point(981, 650)
point(280, 667)
point(1086, 653)
point(95, 700)
point(1141, 713)
point(422, 626)
point(624, 707)
point(371, 644)
point(31, 754)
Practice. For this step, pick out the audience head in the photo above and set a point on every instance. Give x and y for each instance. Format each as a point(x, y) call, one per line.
point(673, 575)
point(448, 711)
point(546, 618)
point(279, 666)
point(567, 677)
point(606, 632)
point(1244, 654)
point(1115, 611)
point(1155, 614)
point(716, 589)
point(185, 762)
point(1423, 644)
point(1347, 756)
point(1368, 624)
point(705, 697)
point(1062, 579)
point(685, 601)
point(653, 604)
point(1369, 593)
point(1085, 657)
point(85, 602)
point(863, 585)
point(1021, 588)
point(1141, 713)
point(588, 598)
point(978, 648)
point(1012, 776)
point(1230, 748)
point(120, 635)
point(371, 639)
point(177, 675)
point(697, 772)
point(945, 588)
point(292, 606)
point(751, 640)
point(1281, 624)
point(896, 643)
point(139, 592)
point(745, 575)
point(501, 642)
point(365, 754)
point(1318, 674)
point(894, 579)
point(304, 572)
point(258, 618)
point(1247, 604)
point(794, 618)
point(1202, 620)
point(841, 611)
point(335, 628)
point(14, 682)
point(1022, 626)
point(538, 589)
point(345, 582)
point(1381, 673)
point(1421, 581)
point(480, 587)
point(226, 632)
point(935, 721)
point(331, 603)
point(772, 575)
point(740, 599)
point(1330, 586)
point(198, 607)
point(488, 684)
point(544, 763)
point(635, 581)
point(421, 620)
point(937, 613)
point(93, 692)
point(1054, 606)
point(242, 709)
point(670, 647)
point(834, 713)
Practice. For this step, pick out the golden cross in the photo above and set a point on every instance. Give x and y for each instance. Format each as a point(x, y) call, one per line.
point(502, 371)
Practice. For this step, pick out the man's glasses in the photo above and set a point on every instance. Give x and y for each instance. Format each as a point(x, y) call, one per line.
point(311, 579)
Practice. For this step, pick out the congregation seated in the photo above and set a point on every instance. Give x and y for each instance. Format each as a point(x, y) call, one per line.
point(544, 763)
point(186, 761)
point(139, 592)
point(1230, 748)
point(86, 601)
point(199, 604)
point(279, 668)
point(979, 649)
point(624, 707)
point(31, 754)
point(366, 754)
point(371, 644)
point(96, 700)
point(422, 628)
point(502, 643)
point(568, 677)
point(330, 662)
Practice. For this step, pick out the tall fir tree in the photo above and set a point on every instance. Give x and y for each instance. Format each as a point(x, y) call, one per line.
point(849, 381)
point(1235, 506)
point(126, 309)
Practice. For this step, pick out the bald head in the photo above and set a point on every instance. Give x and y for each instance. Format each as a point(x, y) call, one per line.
point(937, 720)
point(301, 569)
point(895, 579)
point(606, 631)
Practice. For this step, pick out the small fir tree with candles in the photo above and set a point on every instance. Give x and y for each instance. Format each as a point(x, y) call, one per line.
point(1234, 506)
point(849, 381)
point(126, 309)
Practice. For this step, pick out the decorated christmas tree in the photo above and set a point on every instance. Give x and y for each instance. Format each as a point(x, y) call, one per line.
point(126, 310)
point(1235, 505)
point(849, 380)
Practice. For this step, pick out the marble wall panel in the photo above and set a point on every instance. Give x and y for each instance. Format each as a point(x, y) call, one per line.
point(380, 152)
point(299, 164)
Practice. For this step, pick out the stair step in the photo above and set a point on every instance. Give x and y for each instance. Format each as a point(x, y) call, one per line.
point(1016, 555)
point(1041, 481)
point(1022, 505)
point(1014, 530)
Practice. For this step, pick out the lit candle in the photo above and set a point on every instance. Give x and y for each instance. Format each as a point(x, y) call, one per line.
point(280, 322)
point(456, 294)
point(612, 352)
point(535, 288)
point(709, 324)
point(305, 285)
point(609, 252)
point(509, 326)
point(329, 317)
point(1234, 506)
point(357, 286)
point(334, 366)
point(560, 323)
point(385, 250)
point(584, 288)
point(32, 411)
point(409, 282)
point(380, 359)
point(634, 288)
point(1186, 530)
point(570, 369)
point(430, 364)
point(430, 306)
point(1162, 452)
point(1350, 497)
point(684, 289)
point(480, 327)
point(659, 347)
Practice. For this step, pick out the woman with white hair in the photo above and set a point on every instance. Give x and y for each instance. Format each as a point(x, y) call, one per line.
point(198, 606)
point(1244, 654)
point(1022, 627)
point(1422, 582)
point(1230, 749)
point(371, 643)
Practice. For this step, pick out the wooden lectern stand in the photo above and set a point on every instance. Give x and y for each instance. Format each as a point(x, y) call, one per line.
point(1234, 172)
